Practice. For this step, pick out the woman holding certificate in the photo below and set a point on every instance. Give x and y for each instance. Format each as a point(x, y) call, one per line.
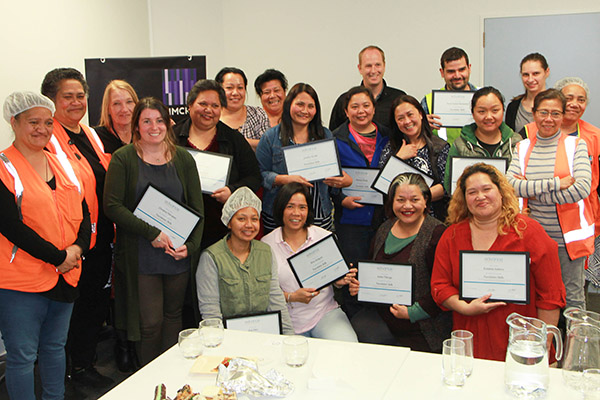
point(411, 140)
point(488, 136)
point(300, 123)
point(485, 218)
point(237, 275)
point(314, 313)
point(551, 171)
point(151, 276)
point(410, 237)
point(534, 71)
point(203, 131)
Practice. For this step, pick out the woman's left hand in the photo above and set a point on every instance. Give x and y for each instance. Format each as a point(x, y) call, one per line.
point(346, 279)
point(179, 253)
point(399, 311)
point(351, 202)
point(339, 181)
point(221, 195)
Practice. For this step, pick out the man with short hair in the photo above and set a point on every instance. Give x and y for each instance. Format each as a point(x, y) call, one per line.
point(371, 66)
point(455, 71)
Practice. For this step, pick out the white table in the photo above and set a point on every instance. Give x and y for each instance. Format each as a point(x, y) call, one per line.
point(420, 378)
point(335, 370)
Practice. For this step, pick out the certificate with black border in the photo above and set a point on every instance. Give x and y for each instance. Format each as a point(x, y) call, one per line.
point(392, 168)
point(161, 211)
point(362, 182)
point(320, 264)
point(386, 283)
point(313, 160)
point(267, 322)
point(458, 165)
point(453, 107)
point(504, 274)
point(213, 169)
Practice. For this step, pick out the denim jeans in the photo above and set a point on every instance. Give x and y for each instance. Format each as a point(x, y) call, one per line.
point(34, 327)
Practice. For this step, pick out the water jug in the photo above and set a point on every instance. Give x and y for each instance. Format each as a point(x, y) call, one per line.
point(526, 371)
point(582, 345)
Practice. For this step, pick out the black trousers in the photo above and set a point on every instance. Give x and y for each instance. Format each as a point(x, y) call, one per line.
point(91, 308)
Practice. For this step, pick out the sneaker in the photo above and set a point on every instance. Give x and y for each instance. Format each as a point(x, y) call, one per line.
point(90, 377)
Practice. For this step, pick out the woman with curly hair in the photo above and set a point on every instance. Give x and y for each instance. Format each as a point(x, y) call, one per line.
point(484, 216)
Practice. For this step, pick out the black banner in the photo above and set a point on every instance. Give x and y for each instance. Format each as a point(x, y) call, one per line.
point(167, 78)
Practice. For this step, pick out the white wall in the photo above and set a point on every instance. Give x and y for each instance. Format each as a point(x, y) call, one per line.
point(37, 36)
point(317, 41)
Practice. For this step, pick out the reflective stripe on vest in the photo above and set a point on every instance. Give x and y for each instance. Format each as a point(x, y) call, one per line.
point(18, 194)
point(584, 230)
point(64, 162)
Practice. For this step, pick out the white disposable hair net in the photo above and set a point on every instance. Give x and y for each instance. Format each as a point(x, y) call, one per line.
point(573, 80)
point(18, 102)
point(241, 198)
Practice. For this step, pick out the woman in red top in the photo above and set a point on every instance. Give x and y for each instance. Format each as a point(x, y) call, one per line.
point(484, 214)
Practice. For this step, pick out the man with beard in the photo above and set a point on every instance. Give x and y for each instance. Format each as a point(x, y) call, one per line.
point(456, 72)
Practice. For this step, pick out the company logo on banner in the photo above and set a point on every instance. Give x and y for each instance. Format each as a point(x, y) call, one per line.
point(169, 79)
point(177, 84)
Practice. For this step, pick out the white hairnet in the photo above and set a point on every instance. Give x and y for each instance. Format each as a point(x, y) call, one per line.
point(18, 102)
point(241, 198)
point(573, 80)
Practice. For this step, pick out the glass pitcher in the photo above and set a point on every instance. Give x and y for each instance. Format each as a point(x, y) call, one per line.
point(526, 371)
point(582, 349)
point(575, 315)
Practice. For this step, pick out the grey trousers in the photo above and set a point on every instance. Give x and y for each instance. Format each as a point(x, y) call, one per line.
point(573, 277)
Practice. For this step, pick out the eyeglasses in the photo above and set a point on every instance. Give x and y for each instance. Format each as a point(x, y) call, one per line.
point(552, 114)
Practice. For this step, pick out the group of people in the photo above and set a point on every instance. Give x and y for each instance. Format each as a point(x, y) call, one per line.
point(69, 233)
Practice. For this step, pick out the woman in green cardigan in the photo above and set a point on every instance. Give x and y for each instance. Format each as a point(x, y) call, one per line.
point(151, 276)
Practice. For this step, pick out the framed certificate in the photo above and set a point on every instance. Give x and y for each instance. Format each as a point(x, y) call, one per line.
point(162, 212)
point(392, 168)
point(213, 169)
point(385, 283)
point(458, 165)
point(267, 322)
point(320, 264)
point(313, 160)
point(362, 180)
point(503, 274)
point(453, 107)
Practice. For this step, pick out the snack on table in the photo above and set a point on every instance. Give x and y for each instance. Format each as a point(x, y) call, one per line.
point(160, 393)
point(185, 393)
point(216, 393)
point(225, 362)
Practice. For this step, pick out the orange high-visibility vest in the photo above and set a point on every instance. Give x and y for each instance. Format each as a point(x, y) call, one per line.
point(575, 219)
point(591, 135)
point(60, 145)
point(55, 215)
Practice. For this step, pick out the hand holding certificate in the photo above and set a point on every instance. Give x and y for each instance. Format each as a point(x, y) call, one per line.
point(213, 169)
point(503, 274)
point(313, 160)
point(453, 107)
point(319, 265)
point(166, 214)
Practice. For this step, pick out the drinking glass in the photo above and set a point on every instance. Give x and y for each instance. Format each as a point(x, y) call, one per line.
point(211, 332)
point(453, 365)
point(467, 338)
point(190, 344)
point(295, 350)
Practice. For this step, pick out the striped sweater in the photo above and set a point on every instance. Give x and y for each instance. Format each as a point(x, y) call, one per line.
point(542, 188)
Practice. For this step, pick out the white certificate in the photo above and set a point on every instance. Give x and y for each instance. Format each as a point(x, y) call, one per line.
point(269, 322)
point(392, 168)
point(503, 274)
point(362, 179)
point(213, 169)
point(166, 214)
point(320, 264)
point(314, 160)
point(453, 107)
point(458, 165)
point(385, 283)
